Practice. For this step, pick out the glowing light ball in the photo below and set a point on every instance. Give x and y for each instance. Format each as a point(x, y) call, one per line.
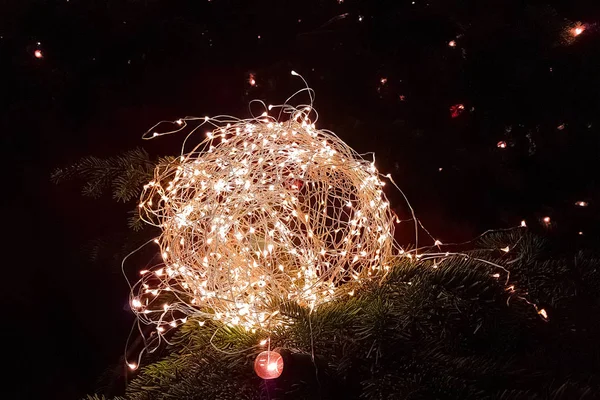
point(259, 212)
point(38, 54)
point(263, 211)
point(578, 30)
point(268, 365)
point(501, 144)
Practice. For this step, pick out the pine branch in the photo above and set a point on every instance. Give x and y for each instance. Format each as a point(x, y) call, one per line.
point(109, 250)
point(96, 397)
point(423, 333)
point(124, 175)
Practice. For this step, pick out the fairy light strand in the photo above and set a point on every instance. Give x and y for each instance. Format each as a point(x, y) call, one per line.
point(263, 210)
point(266, 208)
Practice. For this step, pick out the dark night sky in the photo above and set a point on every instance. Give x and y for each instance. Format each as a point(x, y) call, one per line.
point(111, 69)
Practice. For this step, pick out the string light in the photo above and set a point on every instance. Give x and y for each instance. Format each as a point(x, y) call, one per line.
point(38, 54)
point(259, 211)
point(578, 30)
point(267, 209)
point(571, 32)
point(501, 144)
point(452, 43)
point(581, 203)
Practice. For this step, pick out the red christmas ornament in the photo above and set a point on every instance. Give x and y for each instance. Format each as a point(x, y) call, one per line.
point(456, 110)
point(295, 184)
point(268, 365)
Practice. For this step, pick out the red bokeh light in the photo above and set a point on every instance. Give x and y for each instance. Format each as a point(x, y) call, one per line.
point(456, 110)
point(578, 30)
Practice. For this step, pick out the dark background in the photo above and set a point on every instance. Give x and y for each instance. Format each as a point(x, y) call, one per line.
point(112, 69)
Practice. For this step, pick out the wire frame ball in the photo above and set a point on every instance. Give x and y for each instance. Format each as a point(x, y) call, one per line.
point(259, 212)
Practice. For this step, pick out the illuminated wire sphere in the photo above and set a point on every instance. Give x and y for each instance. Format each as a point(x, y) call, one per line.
point(268, 365)
point(263, 211)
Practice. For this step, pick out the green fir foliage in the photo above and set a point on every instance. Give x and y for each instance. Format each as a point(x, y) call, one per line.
point(123, 176)
point(452, 332)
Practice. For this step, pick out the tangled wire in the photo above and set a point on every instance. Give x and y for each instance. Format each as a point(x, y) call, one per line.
point(265, 210)
point(262, 211)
